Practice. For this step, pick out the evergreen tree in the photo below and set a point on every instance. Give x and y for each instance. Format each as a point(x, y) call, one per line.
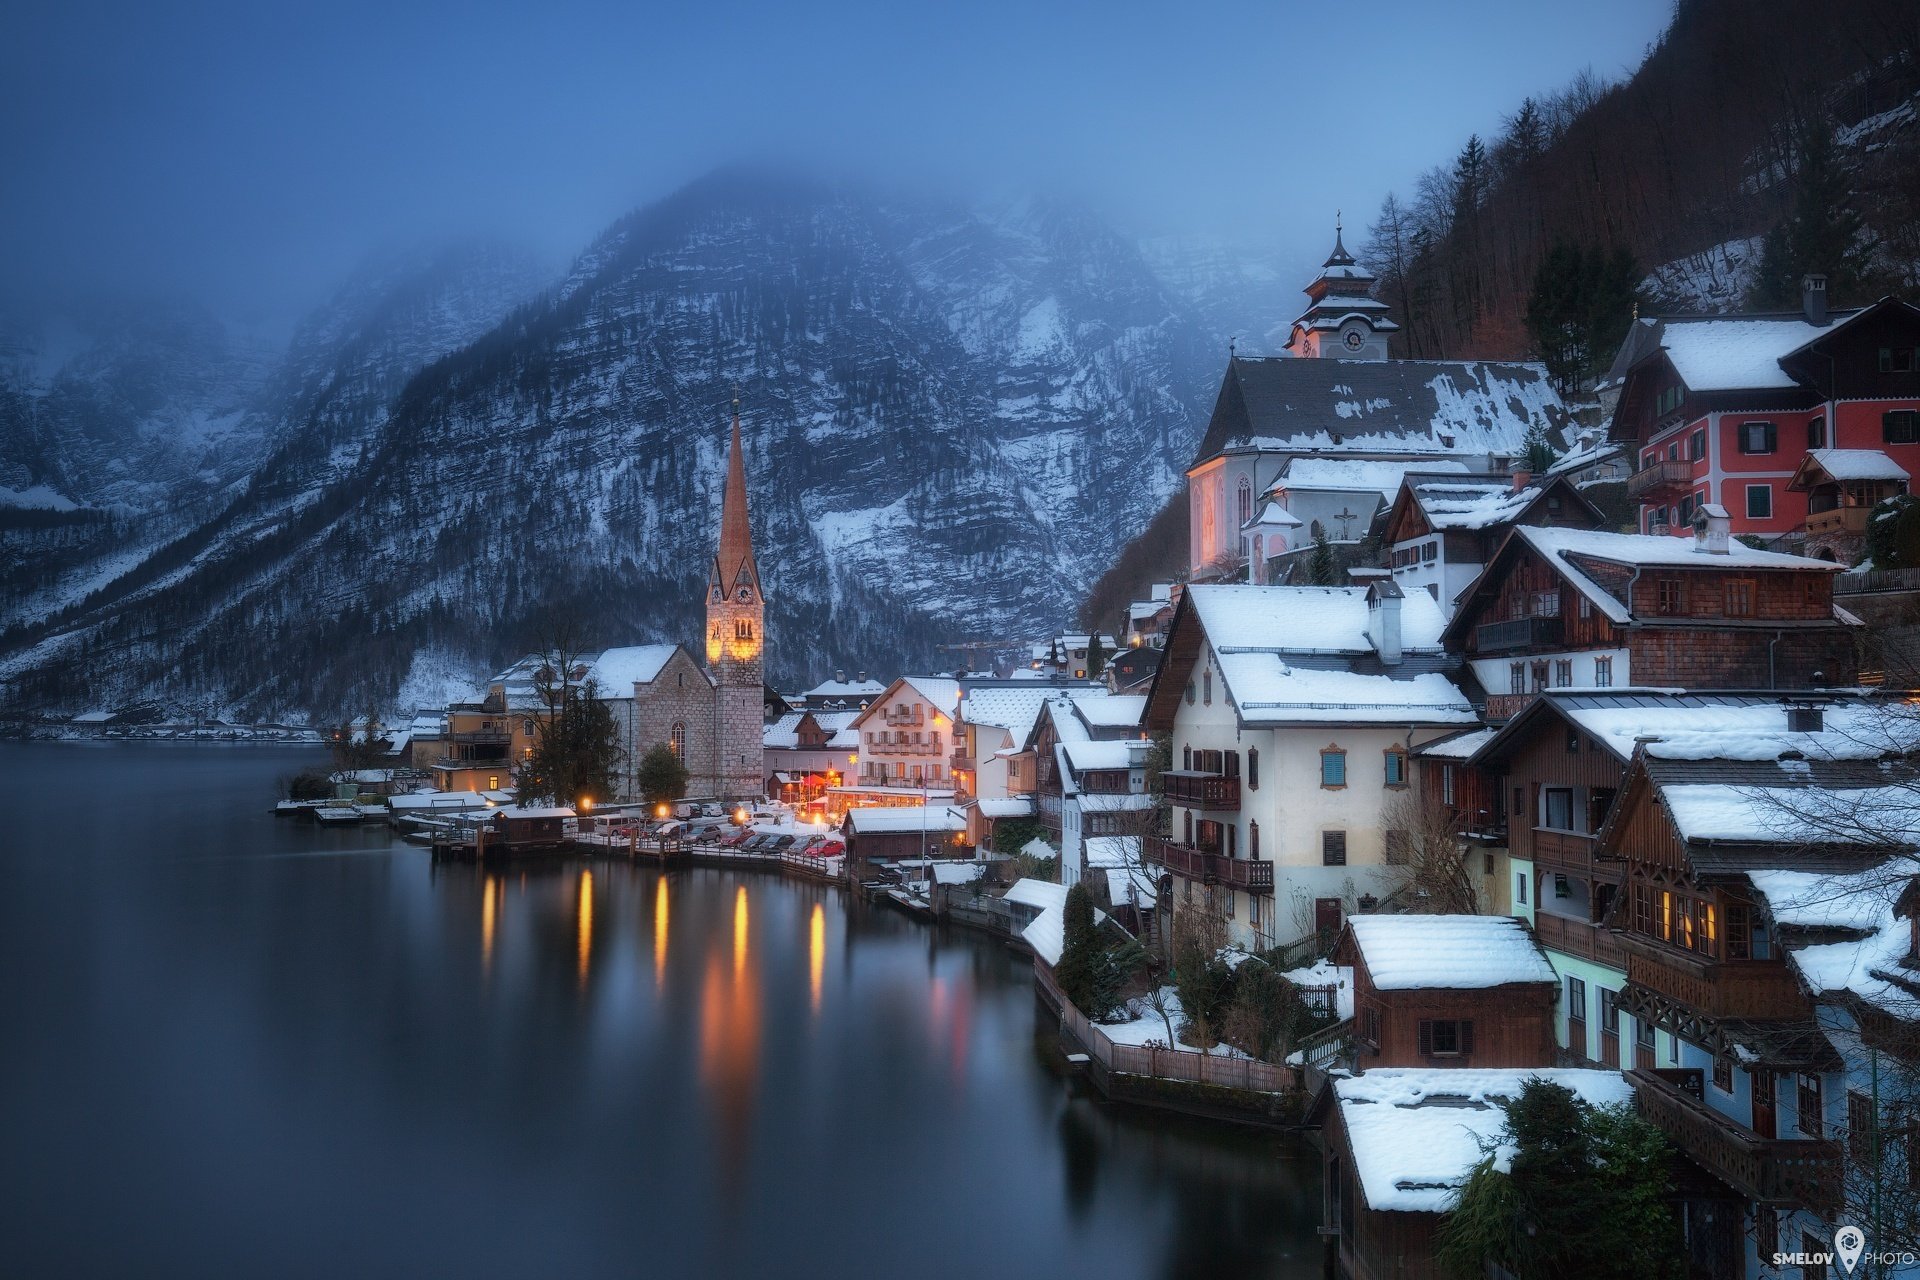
point(1586, 1196)
point(1536, 451)
point(1821, 234)
point(576, 752)
point(1321, 567)
point(1578, 310)
point(1096, 656)
point(661, 775)
point(1079, 950)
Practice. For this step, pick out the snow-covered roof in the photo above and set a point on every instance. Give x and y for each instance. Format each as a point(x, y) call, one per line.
point(827, 690)
point(1127, 886)
point(1014, 710)
point(1645, 550)
point(1869, 965)
point(1006, 807)
point(784, 733)
point(618, 670)
point(1104, 710)
point(1082, 756)
point(1741, 353)
point(1476, 504)
point(1356, 475)
point(1271, 515)
point(1046, 934)
point(942, 691)
point(877, 819)
point(1412, 952)
point(1456, 746)
point(1115, 802)
point(1792, 815)
point(1857, 464)
point(1743, 728)
point(1416, 408)
point(1037, 893)
point(1112, 851)
point(1307, 619)
point(953, 871)
point(530, 811)
point(1416, 1133)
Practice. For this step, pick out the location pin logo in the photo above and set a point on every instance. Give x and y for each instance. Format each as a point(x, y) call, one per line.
point(1849, 1242)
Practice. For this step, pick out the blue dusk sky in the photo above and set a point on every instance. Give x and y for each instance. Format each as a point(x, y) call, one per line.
point(251, 154)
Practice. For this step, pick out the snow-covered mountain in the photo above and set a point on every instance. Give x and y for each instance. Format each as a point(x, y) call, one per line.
point(954, 419)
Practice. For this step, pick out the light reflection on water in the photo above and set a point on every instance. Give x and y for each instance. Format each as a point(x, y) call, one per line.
point(326, 1057)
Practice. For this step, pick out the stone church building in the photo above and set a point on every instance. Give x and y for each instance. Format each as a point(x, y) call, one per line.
point(711, 716)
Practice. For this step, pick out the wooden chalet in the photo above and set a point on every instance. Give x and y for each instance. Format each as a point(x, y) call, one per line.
point(1574, 608)
point(1448, 991)
point(1443, 529)
point(1750, 1085)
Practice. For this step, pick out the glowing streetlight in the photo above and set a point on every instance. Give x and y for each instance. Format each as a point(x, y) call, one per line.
point(586, 804)
point(660, 810)
point(740, 816)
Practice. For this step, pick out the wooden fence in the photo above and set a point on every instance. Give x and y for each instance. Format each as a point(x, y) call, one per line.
point(1162, 1064)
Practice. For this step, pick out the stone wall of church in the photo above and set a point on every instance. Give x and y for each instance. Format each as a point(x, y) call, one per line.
point(680, 696)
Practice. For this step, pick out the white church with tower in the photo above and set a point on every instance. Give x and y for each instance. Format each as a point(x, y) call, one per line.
point(1313, 442)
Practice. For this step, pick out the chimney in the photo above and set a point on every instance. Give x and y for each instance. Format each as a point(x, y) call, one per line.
point(1711, 529)
point(1521, 478)
point(840, 676)
point(860, 678)
point(1813, 299)
point(1806, 719)
point(1383, 620)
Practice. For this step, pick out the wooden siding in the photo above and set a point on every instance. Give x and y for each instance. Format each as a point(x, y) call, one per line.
point(1372, 1245)
point(1512, 1025)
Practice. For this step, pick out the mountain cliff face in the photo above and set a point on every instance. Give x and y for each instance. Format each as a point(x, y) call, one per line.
point(953, 419)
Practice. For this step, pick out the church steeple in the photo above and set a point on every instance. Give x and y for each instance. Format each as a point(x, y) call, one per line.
point(733, 566)
point(736, 638)
point(1343, 319)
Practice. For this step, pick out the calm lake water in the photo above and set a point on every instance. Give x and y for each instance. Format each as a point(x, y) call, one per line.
point(242, 1046)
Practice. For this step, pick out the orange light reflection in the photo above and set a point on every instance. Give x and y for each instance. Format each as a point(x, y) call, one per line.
point(660, 932)
point(583, 916)
point(817, 952)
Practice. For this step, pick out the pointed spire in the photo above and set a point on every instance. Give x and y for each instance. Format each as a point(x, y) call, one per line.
point(1340, 257)
point(736, 537)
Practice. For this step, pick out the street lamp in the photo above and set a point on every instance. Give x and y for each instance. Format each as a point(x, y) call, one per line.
point(740, 816)
point(660, 810)
point(586, 804)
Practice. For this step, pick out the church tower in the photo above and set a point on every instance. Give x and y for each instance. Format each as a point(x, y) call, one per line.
point(1343, 321)
point(736, 641)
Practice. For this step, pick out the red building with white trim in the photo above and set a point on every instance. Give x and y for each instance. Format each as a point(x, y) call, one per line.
point(1726, 409)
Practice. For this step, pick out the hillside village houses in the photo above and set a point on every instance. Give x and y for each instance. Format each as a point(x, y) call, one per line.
point(1729, 411)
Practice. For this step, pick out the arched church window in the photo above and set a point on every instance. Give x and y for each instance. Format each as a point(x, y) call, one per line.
point(1246, 501)
point(743, 629)
point(677, 741)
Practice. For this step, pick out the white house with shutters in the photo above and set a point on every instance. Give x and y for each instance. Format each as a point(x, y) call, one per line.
point(1292, 713)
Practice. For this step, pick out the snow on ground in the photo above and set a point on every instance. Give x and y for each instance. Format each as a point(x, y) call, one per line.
point(39, 497)
point(1143, 1025)
point(437, 679)
point(1714, 279)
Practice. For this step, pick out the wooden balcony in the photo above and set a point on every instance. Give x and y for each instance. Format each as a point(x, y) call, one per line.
point(1849, 520)
point(1579, 938)
point(1772, 1171)
point(1246, 875)
point(1505, 706)
point(961, 760)
point(1661, 480)
point(1517, 633)
point(1713, 989)
point(1573, 854)
point(1197, 790)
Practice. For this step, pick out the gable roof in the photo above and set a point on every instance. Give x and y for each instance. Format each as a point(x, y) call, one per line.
point(1556, 547)
point(1294, 655)
point(635, 664)
point(1454, 952)
point(1422, 408)
point(1482, 501)
point(1846, 464)
point(942, 691)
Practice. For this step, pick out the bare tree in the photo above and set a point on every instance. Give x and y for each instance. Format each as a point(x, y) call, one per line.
point(1430, 859)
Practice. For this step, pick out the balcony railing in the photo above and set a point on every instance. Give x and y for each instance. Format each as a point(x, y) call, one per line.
point(1197, 790)
point(1661, 477)
point(1569, 851)
point(1245, 874)
point(1505, 706)
point(501, 736)
point(1733, 989)
point(1851, 520)
point(1578, 938)
point(1772, 1171)
point(1517, 633)
point(960, 760)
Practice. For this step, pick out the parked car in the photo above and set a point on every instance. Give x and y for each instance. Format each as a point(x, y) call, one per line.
point(672, 829)
point(828, 849)
point(782, 843)
point(737, 839)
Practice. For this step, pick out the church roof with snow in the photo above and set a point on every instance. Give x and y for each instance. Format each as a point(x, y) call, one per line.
point(1422, 409)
